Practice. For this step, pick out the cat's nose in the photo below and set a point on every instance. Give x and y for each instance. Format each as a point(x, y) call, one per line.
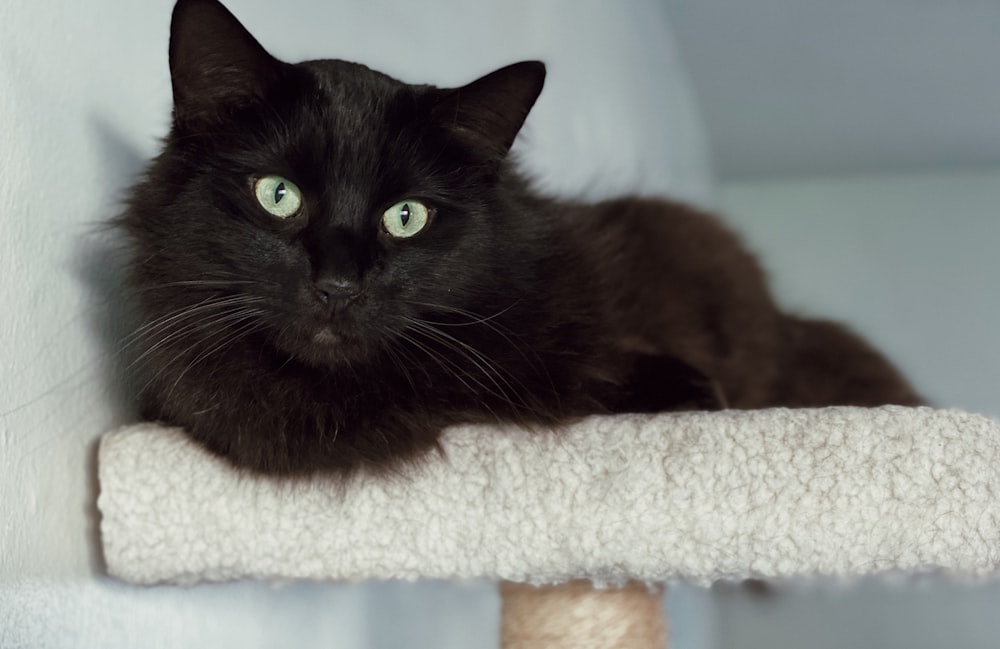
point(336, 288)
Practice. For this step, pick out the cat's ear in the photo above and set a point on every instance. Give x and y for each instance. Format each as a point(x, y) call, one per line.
point(215, 63)
point(490, 111)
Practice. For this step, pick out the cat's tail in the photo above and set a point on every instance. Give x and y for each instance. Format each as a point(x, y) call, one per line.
point(827, 364)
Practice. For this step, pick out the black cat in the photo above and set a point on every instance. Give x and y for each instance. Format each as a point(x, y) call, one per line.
point(331, 266)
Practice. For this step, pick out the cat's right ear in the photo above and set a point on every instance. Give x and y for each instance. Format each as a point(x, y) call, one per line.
point(215, 64)
point(489, 112)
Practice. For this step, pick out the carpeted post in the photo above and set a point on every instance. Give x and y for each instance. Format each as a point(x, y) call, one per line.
point(576, 615)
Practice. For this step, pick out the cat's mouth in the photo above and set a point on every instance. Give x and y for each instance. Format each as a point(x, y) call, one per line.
point(326, 336)
point(320, 346)
point(322, 342)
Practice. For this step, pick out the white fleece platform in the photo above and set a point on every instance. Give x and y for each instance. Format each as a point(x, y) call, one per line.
point(773, 493)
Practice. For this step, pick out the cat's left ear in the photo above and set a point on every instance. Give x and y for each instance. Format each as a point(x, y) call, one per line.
point(215, 63)
point(489, 112)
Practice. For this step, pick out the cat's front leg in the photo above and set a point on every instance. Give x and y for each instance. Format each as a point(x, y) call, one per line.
point(659, 383)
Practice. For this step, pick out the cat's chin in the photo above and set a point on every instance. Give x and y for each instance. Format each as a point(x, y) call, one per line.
point(322, 346)
point(325, 356)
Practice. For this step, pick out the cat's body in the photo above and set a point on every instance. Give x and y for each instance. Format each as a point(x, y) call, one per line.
point(419, 281)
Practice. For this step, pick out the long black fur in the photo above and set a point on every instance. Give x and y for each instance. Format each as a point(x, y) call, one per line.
point(322, 344)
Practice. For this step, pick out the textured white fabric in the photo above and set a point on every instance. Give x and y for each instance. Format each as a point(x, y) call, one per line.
point(772, 493)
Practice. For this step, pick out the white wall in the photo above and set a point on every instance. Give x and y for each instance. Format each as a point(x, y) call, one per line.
point(811, 89)
point(69, 98)
point(85, 95)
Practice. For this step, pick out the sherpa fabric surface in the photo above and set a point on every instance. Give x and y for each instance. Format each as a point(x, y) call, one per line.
point(696, 496)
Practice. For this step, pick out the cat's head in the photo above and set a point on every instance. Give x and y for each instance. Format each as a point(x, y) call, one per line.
point(320, 205)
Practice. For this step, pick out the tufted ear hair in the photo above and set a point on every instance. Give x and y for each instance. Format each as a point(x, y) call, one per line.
point(489, 112)
point(215, 63)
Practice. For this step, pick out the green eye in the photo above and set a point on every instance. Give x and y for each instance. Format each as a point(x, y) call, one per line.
point(406, 218)
point(279, 196)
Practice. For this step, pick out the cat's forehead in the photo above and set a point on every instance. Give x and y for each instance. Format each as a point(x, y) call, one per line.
point(348, 83)
point(349, 121)
point(355, 108)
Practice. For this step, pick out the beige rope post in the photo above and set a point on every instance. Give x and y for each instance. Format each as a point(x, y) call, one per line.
point(576, 615)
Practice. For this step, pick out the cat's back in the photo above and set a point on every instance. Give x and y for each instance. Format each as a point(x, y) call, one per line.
point(669, 236)
point(677, 281)
point(651, 251)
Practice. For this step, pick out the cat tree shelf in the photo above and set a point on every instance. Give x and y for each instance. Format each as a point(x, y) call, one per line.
point(619, 501)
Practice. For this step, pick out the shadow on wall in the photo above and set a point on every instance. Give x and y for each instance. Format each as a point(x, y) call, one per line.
point(99, 266)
